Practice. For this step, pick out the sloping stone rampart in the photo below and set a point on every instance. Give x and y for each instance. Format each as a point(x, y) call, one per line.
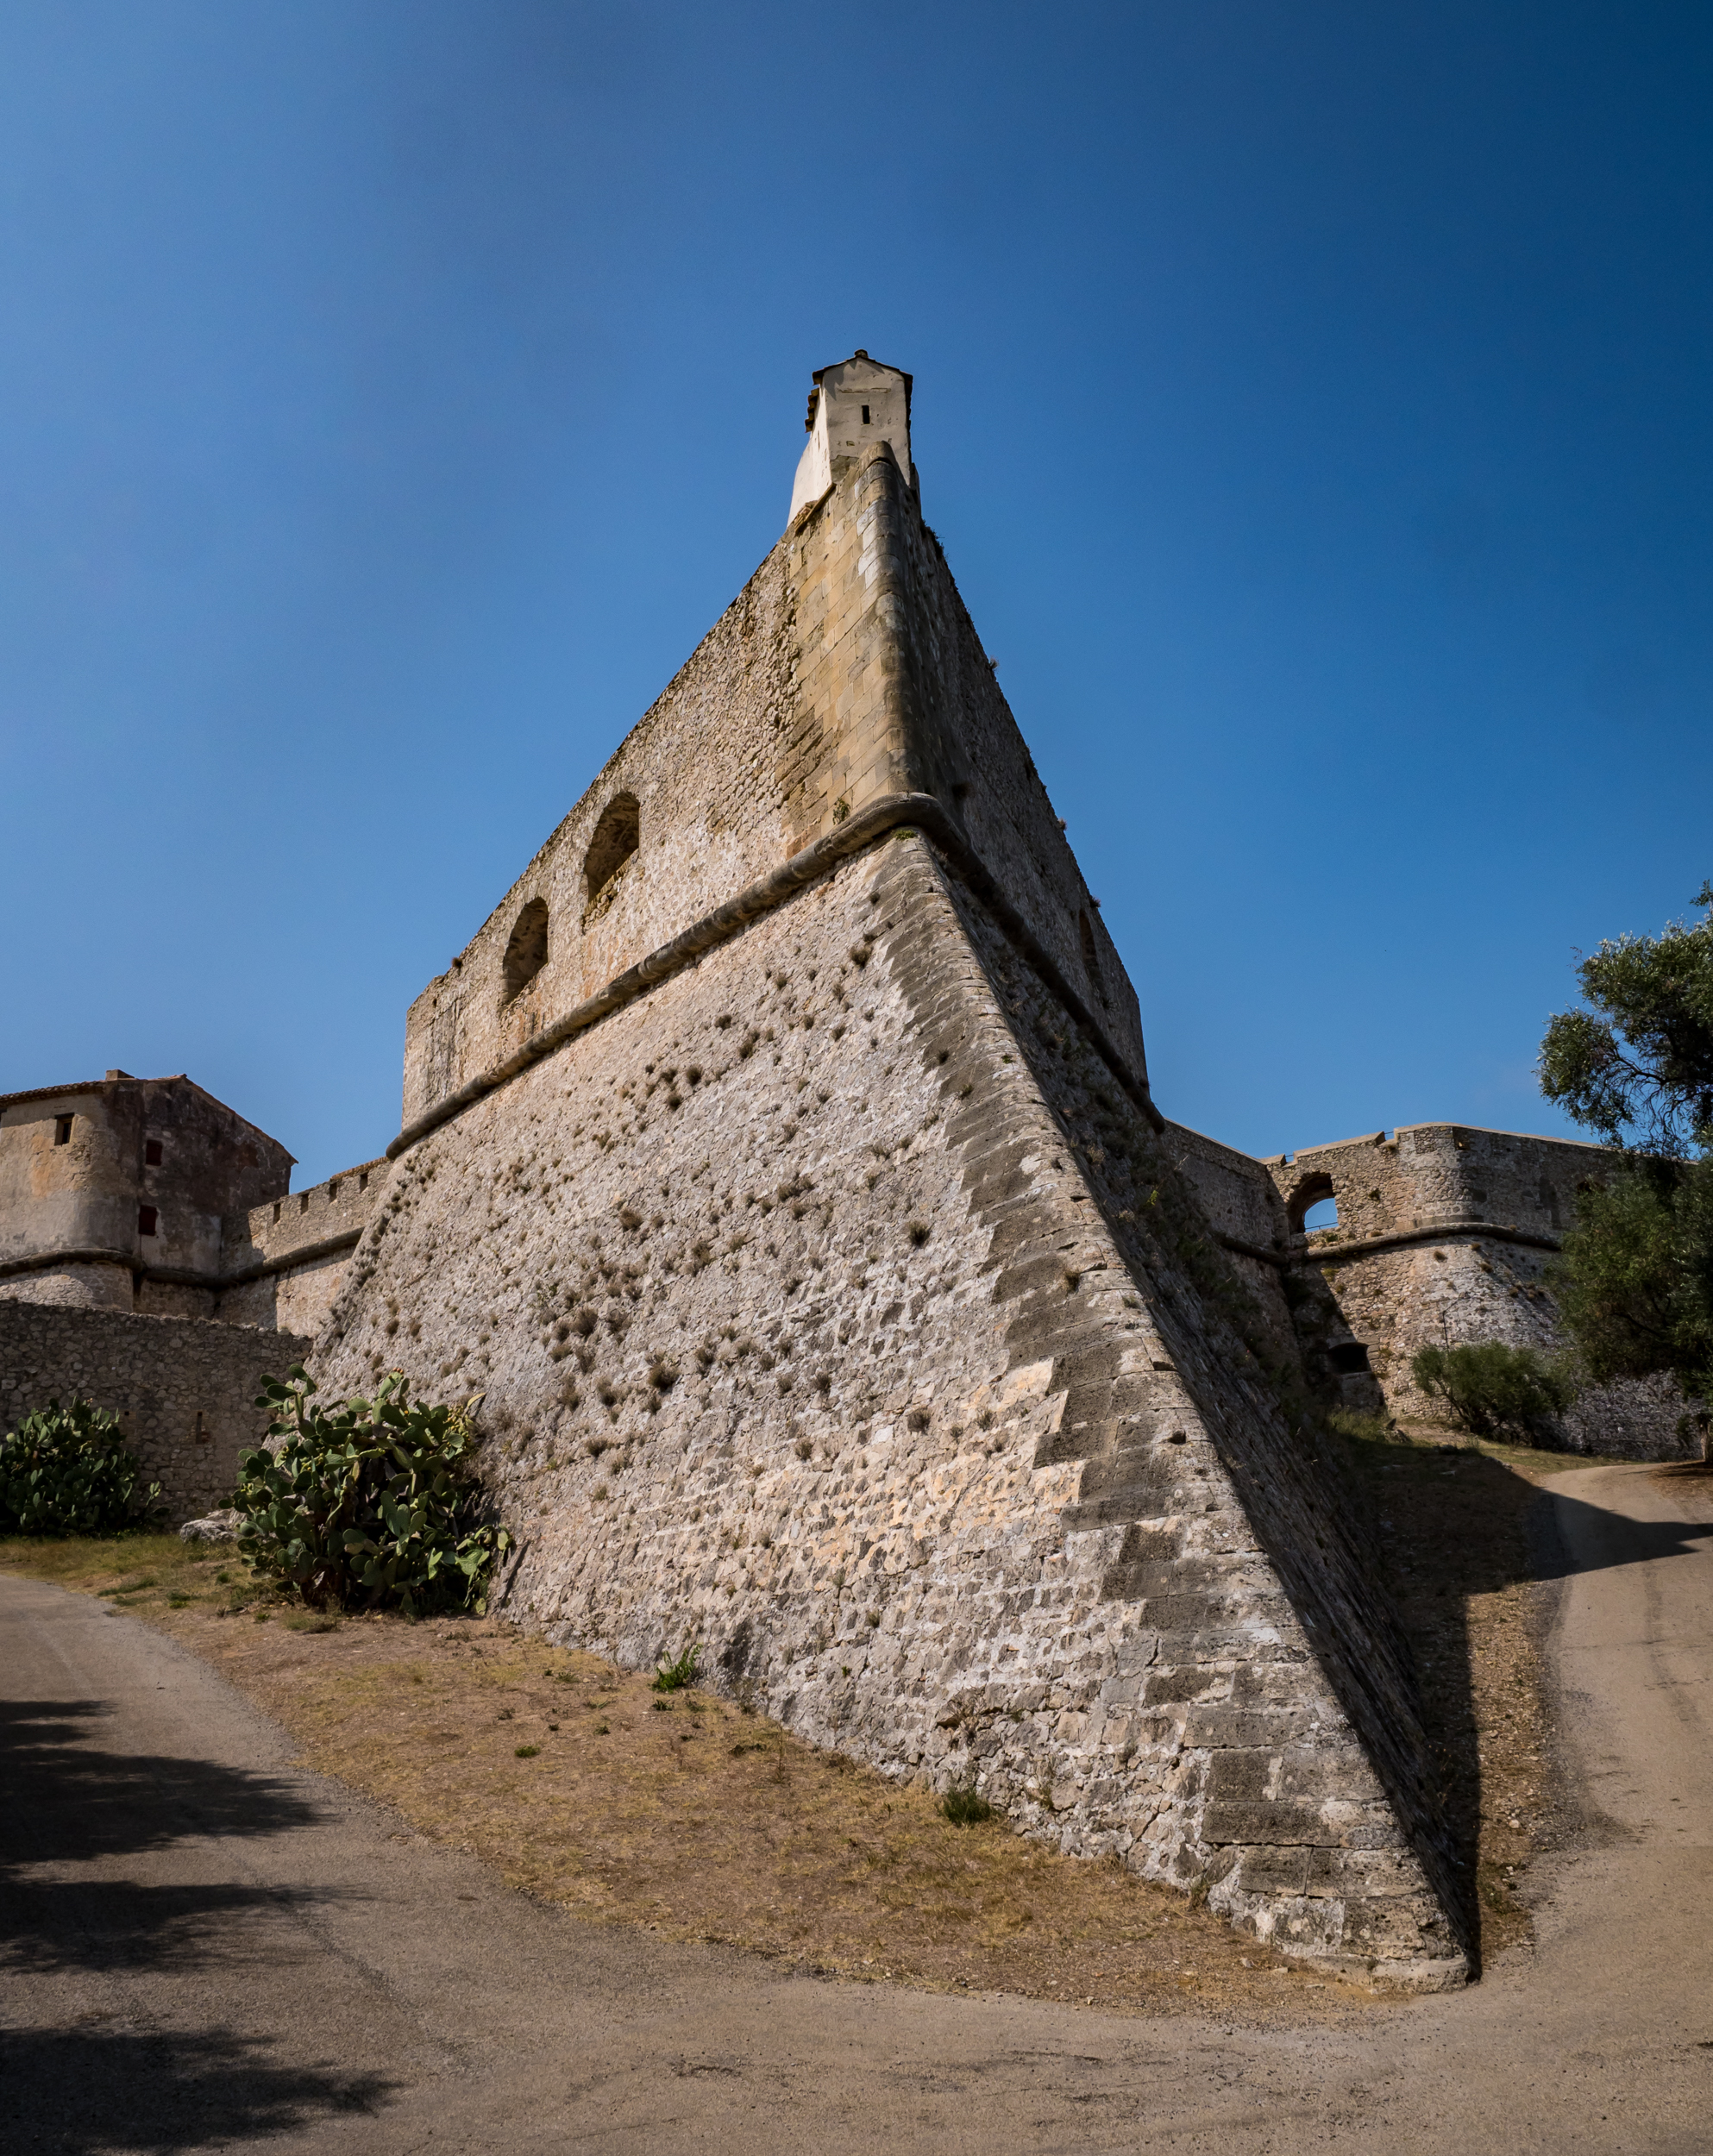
point(184, 1387)
point(808, 1329)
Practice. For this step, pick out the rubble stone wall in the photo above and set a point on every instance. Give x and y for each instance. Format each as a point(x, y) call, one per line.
point(184, 1387)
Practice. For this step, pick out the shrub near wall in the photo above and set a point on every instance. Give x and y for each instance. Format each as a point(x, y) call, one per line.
point(369, 1504)
point(1495, 1391)
point(68, 1470)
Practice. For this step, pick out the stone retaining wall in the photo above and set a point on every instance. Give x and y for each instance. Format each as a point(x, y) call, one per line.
point(184, 1387)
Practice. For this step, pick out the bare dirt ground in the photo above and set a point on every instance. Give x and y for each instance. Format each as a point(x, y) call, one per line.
point(208, 1945)
point(685, 1815)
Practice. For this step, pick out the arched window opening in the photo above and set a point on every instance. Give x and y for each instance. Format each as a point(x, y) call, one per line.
point(526, 953)
point(1311, 1206)
point(1091, 959)
point(617, 836)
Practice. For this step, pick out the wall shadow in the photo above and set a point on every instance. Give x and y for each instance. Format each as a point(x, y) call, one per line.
point(1574, 1536)
point(1445, 1527)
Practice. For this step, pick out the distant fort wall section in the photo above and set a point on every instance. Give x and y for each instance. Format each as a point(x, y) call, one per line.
point(114, 1193)
point(149, 1196)
point(1445, 1234)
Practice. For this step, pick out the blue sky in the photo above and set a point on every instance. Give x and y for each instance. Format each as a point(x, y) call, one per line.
point(1313, 400)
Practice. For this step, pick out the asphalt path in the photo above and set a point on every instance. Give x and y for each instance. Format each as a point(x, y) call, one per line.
point(206, 1947)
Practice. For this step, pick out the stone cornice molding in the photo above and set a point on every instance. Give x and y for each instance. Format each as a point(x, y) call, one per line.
point(183, 1275)
point(892, 812)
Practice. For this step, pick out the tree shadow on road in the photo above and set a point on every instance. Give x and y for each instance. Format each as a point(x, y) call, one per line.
point(69, 1805)
point(83, 2091)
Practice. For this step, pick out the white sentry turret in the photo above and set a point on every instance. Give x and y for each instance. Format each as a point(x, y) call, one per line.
point(852, 404)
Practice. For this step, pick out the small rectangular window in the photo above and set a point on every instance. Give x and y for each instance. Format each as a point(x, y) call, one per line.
point(362, 1183)
point(146, 1219)
point(865, 415)
point(151, 1152)
point(304, 1202)
point(276, 1213)
point(333, 1192)
point(62, 1129)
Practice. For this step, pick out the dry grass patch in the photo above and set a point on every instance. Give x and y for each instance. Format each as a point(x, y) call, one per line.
point(684, 1814)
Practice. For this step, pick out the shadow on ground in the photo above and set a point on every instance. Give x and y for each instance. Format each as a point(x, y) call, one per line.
point(69, 1800)
point(1450, 1529)
point(83, 2091)
point(71, 1804)
point(74, 1814)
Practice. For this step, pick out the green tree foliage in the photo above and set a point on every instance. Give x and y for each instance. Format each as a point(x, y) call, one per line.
point(1495, 1391)
point(1637, 1065)
point(68, 1472)
point(1635, 1283)
point(369, 1504)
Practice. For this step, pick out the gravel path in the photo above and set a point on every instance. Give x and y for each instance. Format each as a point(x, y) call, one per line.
point(206, 1947)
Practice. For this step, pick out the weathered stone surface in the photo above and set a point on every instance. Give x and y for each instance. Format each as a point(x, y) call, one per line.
point(185, 1389)
point(220, 1526)
point(808, 1299)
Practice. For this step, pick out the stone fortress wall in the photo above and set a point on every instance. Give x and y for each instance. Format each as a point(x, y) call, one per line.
point(801, 708)
point(778, 1163)
point(807, 1327)
point(1444, 1237)
point(282, 1263)
point(836, 1297)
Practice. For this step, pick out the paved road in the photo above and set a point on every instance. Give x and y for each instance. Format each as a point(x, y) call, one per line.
point(206, 1947)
